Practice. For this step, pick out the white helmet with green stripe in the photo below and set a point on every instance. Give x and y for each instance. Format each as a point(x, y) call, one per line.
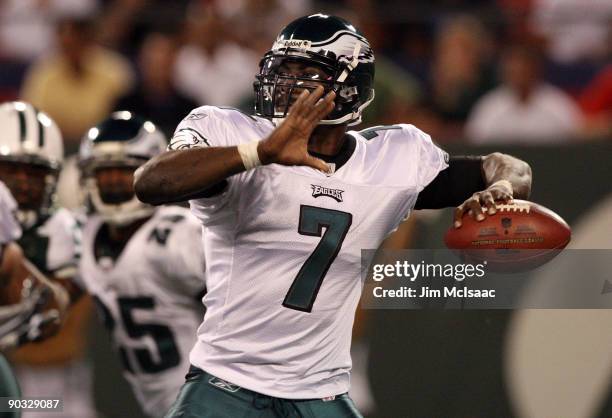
point(30, 143)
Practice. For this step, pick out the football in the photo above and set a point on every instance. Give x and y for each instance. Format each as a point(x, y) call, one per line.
point(520, 236)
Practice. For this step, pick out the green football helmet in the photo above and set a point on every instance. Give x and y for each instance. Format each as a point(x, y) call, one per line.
point(123, 141)
point(343, 60)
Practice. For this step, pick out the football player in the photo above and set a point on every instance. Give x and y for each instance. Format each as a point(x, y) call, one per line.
point(288, 198)
point(31, 155)
point(30, 160)
point(23, 319)
point(143, 265)
point(10, 255)
point(10, 258)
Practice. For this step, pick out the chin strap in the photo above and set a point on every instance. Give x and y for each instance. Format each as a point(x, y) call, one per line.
point(351, 65)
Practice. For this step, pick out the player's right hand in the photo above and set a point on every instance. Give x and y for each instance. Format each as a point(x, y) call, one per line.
point(288, 143)
point(484, 202)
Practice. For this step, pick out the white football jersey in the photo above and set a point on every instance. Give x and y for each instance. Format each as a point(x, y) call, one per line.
point(150, 299)
point(9, 228)
point(283, 251)
point(53, 244)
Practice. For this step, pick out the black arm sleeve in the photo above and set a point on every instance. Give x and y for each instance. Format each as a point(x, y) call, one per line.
point(461, 179)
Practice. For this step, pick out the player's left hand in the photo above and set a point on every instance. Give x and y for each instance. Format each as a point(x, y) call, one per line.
point(485, 202)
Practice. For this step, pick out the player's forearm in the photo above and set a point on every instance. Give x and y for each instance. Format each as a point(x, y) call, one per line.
point(498, 167)
point(177, 175)
point(9, 264)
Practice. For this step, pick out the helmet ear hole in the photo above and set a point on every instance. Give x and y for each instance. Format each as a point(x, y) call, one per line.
point(347, 94)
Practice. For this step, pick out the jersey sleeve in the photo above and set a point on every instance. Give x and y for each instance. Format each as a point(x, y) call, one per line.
point(206, 126)
point(211, 126)
point(9, 227)
point(422, 161)
point(431, 159)
point(64, 232)
point(185, 265)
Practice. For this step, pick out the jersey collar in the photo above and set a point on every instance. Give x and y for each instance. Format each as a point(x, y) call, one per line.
point(339, 159)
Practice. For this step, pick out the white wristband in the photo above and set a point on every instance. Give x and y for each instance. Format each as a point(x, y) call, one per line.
point(248, 153)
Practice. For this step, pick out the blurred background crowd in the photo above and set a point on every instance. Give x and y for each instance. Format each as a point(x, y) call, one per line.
point(529, 71)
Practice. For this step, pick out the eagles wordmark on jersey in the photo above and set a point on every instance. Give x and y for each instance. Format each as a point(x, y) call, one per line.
point(283, 250)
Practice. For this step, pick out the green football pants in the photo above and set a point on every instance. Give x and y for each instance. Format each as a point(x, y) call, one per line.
point(206, 396)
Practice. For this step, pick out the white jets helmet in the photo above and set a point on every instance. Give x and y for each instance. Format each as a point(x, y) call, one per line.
point(31, 155)
point(109, 154)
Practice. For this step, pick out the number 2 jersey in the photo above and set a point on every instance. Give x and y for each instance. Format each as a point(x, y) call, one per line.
point(150, 299)
point(283, 251)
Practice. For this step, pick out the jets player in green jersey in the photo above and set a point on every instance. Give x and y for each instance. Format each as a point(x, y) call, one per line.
point(20, 320)
point(30, 161)
point(10, 258)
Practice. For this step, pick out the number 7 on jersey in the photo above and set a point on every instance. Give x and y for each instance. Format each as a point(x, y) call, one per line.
point(306, 285)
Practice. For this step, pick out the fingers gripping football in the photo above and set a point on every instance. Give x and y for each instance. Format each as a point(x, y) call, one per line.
point(288, 144)
point(484, 203)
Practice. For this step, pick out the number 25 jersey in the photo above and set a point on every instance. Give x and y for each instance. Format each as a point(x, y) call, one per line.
point(283, 251)
point(149, 298)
